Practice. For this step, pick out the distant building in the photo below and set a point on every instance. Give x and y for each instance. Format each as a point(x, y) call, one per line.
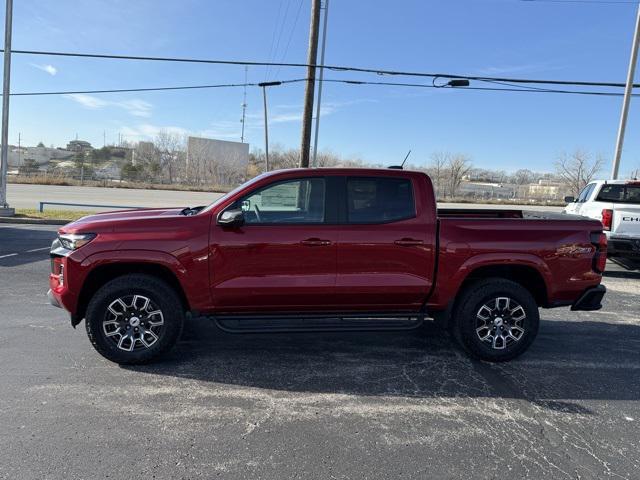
point(479, 190)
point(216, 162)
point(79, 146)
point(144, 151)
point(546, 189)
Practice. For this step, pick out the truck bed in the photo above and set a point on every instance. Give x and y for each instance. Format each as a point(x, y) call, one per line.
point(495, 213)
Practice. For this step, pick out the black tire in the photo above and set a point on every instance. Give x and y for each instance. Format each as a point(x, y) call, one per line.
point(165, 326)
point(503, 339)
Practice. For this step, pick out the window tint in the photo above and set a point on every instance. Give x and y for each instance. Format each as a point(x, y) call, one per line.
point(295, 201)
point(586, 192)
point(379, 200)
point(619, 193)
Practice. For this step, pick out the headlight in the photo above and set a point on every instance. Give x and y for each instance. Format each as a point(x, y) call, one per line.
point(73, 241)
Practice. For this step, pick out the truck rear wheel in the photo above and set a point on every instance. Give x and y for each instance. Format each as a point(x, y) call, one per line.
point(496, 319)
point(134, 319)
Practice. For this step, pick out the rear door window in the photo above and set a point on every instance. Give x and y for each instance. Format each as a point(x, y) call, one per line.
point(379, 200)
point(586, 193)
point(619, 193)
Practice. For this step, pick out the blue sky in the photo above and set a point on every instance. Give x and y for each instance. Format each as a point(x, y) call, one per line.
point(477, 37)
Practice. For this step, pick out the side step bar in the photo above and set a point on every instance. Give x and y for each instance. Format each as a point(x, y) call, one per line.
point(329, 322)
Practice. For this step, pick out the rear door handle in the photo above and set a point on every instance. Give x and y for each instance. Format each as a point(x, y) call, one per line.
point(315, 242)
point(408, 242)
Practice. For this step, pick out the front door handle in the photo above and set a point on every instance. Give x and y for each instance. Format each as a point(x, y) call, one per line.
point(315, 242)
point(408, 242)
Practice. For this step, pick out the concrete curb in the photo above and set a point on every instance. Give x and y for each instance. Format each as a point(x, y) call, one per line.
point(33, 221)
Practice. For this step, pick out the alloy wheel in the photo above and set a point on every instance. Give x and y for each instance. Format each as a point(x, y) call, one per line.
point(500, 322)
point(133, 322)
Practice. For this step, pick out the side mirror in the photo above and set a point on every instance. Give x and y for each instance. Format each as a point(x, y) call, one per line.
point(569, 199)
point(231, 218)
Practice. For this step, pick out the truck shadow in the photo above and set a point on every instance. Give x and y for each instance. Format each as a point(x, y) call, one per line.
point(570, 361)
point(629, 269)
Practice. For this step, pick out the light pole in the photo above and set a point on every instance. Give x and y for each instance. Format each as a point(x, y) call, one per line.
point(4, 152)
point(627, 98)
point(324, 43)
point(264, 86)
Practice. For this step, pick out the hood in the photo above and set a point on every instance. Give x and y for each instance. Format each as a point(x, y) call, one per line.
point(107, 221)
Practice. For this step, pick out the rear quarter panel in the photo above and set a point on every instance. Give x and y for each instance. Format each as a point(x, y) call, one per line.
point(560, 250)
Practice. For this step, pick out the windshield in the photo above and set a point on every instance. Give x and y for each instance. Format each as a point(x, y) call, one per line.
point(233, 192)
point(619, 193)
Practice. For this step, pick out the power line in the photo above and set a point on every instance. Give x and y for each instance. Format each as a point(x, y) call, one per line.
point(150, 89)
point(490, 89)
point(335, 80)
point(293, 29)
point(329, 67)
point(273, 39)
point(284, 21)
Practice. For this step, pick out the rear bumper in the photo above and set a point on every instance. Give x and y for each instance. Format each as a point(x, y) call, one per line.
point(591, 299)
point(623, 247)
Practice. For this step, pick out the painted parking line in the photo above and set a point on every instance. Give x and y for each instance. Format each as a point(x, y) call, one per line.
point(37, 249)
point(8, 255)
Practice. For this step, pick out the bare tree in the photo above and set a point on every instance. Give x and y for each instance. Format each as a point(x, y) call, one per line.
point(523, 177)
point(170, 150)
point(577, 169)
point(458, 166)
point(437, 170)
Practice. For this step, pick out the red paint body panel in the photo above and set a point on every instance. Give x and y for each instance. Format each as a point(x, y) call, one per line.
point(391, 266)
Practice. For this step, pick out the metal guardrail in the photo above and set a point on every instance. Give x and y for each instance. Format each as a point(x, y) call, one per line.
point(42, 204)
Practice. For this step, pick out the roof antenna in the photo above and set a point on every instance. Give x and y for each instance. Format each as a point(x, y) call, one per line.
point(401, 166)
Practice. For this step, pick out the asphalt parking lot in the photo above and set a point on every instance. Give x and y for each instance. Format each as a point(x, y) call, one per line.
point(357, 405)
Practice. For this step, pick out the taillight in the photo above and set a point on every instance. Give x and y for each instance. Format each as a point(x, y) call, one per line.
point(607, 218)
point(599, 240)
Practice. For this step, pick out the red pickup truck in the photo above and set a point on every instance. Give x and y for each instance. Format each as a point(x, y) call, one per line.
point(312, 249)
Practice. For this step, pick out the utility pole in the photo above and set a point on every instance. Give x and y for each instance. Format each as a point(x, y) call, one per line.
point(627, 98)
point(264, 86)
point(324, 44)
point(4, 151)
point(244, 103)
point(312, 55)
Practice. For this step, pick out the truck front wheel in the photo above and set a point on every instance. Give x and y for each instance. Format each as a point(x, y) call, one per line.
point(496, 319)
point(134, 319)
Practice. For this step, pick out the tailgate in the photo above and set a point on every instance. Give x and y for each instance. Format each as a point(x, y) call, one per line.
point(626, 221)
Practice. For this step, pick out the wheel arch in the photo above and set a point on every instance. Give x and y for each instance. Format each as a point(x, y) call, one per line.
point(104, 273)
point(525, 274)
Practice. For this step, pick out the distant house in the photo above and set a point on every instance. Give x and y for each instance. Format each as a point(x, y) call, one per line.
point(79, 146)
point(40, 155)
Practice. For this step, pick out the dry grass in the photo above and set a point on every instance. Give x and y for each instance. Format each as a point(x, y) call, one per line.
point(68, 215)
point(69, 181)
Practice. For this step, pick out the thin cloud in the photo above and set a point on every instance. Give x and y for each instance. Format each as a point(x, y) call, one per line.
point(135, 107)
point(50, 69)
point(148, 131)
point(517, 68)
point(282, 113)
point(88, 101)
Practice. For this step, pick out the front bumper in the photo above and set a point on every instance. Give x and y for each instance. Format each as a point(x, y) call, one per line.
point(52, 299)
point(591, 299)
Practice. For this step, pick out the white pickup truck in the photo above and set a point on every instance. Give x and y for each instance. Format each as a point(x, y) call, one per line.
point(616, 203)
